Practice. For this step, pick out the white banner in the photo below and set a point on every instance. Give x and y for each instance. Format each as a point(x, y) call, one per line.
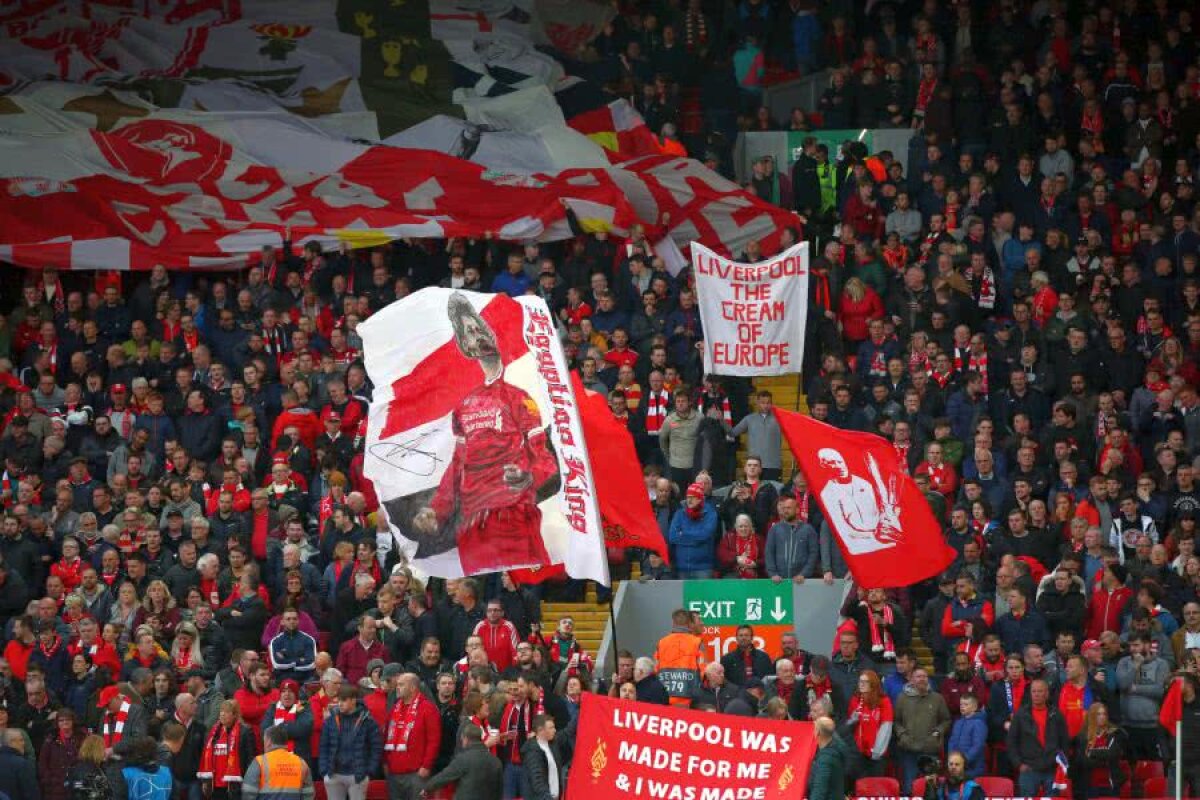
point(474, 440)
point(753, 314)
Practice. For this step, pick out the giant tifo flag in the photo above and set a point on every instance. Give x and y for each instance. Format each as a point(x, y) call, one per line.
point(881, 520)
point(192, 132)
point(753, 314)
point(474, 441)
point(625, 749)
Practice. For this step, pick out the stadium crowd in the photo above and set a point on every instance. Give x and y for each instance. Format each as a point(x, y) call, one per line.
point(191, 555)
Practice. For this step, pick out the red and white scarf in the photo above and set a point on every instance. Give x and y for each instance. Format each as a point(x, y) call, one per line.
point(114, 724)
point(404, 719)
point(511, 720)
point(221, 761)
point(283, 715)
point(881, 635)
point(979, 364)
point(657, 407)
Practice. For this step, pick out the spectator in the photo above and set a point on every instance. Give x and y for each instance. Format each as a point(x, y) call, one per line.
point(922, 725)
point(870, 712)
point(745, 661)
point(969, 736)
point(792, 546)
point(350, 747)
point(693, 535)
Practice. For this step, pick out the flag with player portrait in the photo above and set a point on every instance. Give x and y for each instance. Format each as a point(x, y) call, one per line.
point(881, 521)
point(474, 440)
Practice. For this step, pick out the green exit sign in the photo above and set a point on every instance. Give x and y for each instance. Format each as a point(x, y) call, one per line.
point(738, 602)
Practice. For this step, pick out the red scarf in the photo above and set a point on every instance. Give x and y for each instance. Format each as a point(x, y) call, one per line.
point(404, 719)
point(482, 722)
point(114, 724)
point(284, 715)
point(979, 364)
point(657, 407)
point(924, 94)
point(221, 761)
point(817, 689)
point(881, 637)
point(512, 721)
point(746, 546)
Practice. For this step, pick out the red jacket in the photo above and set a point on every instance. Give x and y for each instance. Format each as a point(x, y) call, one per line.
point(352, 658)
point(424, 740)
point(867, 220)
point(305, 420)
point(499, 642)
point(1106, 609)
point(854, 316)
point(255, 706)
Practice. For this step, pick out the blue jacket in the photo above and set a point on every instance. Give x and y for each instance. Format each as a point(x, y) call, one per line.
point(694, 541)
point(148, 783)
point(969, 736)
point(1017, 633)
point(964, 413)
point(350, 744)
point(511, 285)
point(293, 654)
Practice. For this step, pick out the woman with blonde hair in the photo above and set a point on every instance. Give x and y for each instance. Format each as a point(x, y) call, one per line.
point(870, 712)
point(87, 779)
point(228, 751)
point(186, 653)
point(159, 611)
point(860, 304)
point(337, 574)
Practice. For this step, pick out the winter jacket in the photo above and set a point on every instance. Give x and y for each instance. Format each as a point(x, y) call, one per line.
point(54, 763)
point(18, 779)
point(694, 540)
point(734, 663)
point(1142, 688)
point(350, 744)
point(293, 654)
point(477, 773)
point(1064, 611)
point(827, 776)
point(792, 549)
point(535, 779)
point(1023, 745)
point(243, 631)
point(200, 435)
point(677, 438)
point(918, 717)
point(1015, 632)
point(969, 736)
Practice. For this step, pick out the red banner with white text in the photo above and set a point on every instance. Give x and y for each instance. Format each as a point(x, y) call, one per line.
point(626, 749)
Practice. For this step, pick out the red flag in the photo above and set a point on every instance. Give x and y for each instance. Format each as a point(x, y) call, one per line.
point(1172, 706)
point(625, 510)
point(883, 524)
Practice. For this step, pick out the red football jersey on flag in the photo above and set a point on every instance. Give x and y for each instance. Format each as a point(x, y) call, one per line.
point(883, 524)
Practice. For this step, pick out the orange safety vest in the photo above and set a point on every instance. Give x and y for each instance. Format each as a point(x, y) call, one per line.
point(280, 775)
point(680, 662)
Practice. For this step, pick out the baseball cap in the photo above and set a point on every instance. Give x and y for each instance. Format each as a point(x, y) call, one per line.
point(333, 416)
point(392, 670)
point(1090, 644)
point(118, 388)
point(290, 684)
point(280, 459)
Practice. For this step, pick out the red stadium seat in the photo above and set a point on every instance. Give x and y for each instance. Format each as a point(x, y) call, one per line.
point(877, 787)
point(918, 788)
point(1144, 770)
point(377, 790)
point(1155, 787)
point(995, 786)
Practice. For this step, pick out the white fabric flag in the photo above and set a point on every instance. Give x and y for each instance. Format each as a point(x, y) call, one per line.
point(753, 314)
point(474, 441)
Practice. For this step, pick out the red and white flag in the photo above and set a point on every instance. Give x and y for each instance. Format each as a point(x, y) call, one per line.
point(883, 524)
point(625, 508)
point(474, 441)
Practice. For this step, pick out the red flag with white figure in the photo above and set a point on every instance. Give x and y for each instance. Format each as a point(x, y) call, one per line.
point(881, 520)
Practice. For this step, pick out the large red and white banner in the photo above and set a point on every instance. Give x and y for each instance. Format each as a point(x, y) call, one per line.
point(626, 749)
point(474, 441)
point(882, 522)
point(753, 314)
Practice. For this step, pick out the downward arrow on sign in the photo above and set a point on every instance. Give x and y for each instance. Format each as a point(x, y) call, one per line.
point(778, 613)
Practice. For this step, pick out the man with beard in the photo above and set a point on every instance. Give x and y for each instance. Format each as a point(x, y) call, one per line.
point(500, 462)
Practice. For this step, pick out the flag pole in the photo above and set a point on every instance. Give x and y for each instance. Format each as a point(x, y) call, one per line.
point(1179, 759)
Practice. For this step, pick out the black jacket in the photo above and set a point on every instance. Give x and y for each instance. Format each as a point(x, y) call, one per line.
point(718, 698)
point(479, 774)
point(186, 763)
point(1064, 611)
point(535, 768)
point(1024, 746)
point(244, 631)
point(650, 690)
point(735, 665)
